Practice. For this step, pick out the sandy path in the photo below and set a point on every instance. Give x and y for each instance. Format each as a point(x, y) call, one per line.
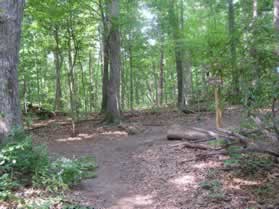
point(144, 171)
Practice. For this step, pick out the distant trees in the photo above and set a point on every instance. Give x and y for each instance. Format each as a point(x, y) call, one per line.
point(74, 61)
point(10, 29)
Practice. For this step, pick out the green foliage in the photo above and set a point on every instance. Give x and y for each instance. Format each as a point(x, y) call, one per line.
point(62, 173)
point(215, 189)
point(25, 164)
point(249, 164)
point(213, 185)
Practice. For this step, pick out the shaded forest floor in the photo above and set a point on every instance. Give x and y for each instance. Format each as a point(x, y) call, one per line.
point(139, 168)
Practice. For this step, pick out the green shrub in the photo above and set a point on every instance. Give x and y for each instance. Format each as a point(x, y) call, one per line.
point(24, 164)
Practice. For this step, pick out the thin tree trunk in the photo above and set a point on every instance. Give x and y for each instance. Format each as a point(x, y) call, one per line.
point(276, 20)
point(123, 86)
point(156, 88)
point(218, 107)
point(235, 73)
point(131, 79)
point(106, 56)
point(161, 86)
point(58, 61)
point(136, 87)
point(91, 80)
point(72, 56)
point(105, 77)
point(113, 109)
point(84, 95)
point(11, 13)
point(178, 56)
point(253, 50)
point(38, 83)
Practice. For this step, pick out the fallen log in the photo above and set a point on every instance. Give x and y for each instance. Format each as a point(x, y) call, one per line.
point(177, 132)
point(264, 144)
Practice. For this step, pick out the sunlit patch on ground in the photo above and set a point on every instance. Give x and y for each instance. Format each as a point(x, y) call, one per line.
point(115, 133)
point(237, 183)
point(136, 200)
point(186, 180)
point(80, 137)
point(208, 164)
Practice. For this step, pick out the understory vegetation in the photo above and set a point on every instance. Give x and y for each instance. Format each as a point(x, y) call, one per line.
point(28, 166)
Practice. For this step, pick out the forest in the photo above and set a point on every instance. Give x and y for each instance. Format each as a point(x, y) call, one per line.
point(126, 104)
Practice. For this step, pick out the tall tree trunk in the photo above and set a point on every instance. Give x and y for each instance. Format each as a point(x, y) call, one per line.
point(131, 79)
point(106, 57)
point(10, 29)
point(84, 94)
point(72, 57)
point(253, 50)
point(105, 76)
point(113, 109)
point(276, 17)
point(123, 81)
point(91, 80)
point(161, 80)
point(155, 86)
point(235, 73)
point(186, 64)
point(38, 83)
point(255, 9)
point(218, 107)
point(58, 61)
point(174, 21)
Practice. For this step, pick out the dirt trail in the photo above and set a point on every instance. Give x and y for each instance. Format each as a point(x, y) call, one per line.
point(143, 171)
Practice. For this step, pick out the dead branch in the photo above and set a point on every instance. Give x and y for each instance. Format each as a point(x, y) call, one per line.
point(267, 145)
point(274, 121)
point(192, 146)
point(260, 124)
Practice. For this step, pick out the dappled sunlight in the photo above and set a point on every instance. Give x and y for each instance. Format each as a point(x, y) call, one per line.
point(237, 183)
point(136, 200)
point(115, 133)
point(186, 180)
point(209, 164)
point(70, 139)
point(3, 126)
point(246, 182)
point(80, 137)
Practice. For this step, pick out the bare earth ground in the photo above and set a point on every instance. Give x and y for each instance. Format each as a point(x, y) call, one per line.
point(144, 171)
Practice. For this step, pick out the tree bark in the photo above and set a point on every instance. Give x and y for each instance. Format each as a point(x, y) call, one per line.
point(235, 73)
point(72, 59)
point(131, 78)
point(11, 13)
point(83, 85)
point(276, 21)
point(113, 107)
point(218, 107)
point(58, 61)
point(91, 80)
point(179, 56)
point(105, 40)
point(161, 80)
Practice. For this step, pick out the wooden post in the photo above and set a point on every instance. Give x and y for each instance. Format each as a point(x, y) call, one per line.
point(217, 83)
point(218, 107)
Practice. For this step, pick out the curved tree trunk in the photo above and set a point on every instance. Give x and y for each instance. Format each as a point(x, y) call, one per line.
point(11, 12)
